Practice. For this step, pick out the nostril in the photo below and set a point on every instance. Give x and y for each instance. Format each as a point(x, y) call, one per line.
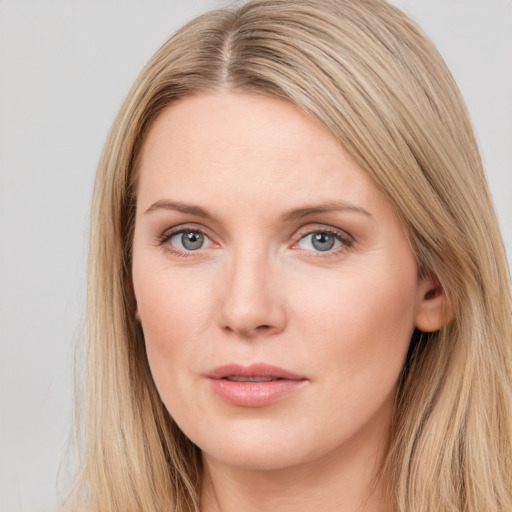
point(261, 329)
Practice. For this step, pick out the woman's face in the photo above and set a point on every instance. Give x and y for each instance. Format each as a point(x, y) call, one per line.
point(275, 286)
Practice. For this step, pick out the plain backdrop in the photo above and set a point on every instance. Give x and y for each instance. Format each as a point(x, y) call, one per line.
point(65, 68)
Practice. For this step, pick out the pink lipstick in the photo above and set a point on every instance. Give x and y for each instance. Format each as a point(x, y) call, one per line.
point(257, 385)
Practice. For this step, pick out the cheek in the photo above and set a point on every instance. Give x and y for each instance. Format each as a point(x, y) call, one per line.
point(359, 330)
point(174, 316)
point(168, 301)
point(362, 322)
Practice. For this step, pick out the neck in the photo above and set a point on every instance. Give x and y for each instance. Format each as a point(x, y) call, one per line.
point(346, 480)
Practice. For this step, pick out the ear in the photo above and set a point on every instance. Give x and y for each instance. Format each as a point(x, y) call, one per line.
point(433, 310)
point(130, 292)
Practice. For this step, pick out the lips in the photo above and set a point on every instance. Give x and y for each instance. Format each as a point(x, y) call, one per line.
point(239, 378)
point(256, 385)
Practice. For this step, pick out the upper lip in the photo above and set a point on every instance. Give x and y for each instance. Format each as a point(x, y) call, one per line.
point(253, 370)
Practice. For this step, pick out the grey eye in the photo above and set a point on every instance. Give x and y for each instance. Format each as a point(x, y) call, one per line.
point(322, 241)
point(188, 240)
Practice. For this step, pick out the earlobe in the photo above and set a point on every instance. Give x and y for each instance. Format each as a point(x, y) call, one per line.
point(130, 291)
point(433, 310)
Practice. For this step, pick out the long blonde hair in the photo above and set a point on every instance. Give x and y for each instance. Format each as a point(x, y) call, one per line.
point(368, 74)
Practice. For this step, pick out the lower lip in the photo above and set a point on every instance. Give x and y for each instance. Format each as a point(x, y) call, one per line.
point(254, 394)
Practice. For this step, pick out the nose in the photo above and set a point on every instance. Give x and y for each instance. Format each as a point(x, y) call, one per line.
point(251, 302)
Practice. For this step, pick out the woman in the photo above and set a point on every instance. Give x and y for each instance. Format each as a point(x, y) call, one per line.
point(298, 293)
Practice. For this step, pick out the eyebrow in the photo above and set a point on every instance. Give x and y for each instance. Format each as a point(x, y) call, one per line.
point(297, 213)
point(164, 204)
point(331, 206)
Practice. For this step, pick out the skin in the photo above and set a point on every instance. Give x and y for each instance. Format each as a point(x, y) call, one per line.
point(259, 291)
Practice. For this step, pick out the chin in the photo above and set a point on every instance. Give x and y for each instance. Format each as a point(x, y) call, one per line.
point(257, 447)
point(256, 457)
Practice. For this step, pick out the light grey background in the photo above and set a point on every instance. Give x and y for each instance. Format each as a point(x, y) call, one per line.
point(65, 68)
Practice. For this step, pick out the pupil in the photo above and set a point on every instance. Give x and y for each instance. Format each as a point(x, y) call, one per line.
point(192, 240)
point(323, 241)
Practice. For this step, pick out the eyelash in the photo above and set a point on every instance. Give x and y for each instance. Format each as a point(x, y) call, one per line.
point(345, 240)
point(169, 234)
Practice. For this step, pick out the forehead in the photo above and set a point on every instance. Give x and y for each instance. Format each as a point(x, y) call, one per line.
point(245, 146)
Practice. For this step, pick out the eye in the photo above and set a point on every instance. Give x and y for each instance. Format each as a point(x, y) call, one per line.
point(188, 240)
point(322, 241)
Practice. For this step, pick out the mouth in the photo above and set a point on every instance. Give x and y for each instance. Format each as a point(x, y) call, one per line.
point(239, 378)
point(257, 385)
point(254, 372)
